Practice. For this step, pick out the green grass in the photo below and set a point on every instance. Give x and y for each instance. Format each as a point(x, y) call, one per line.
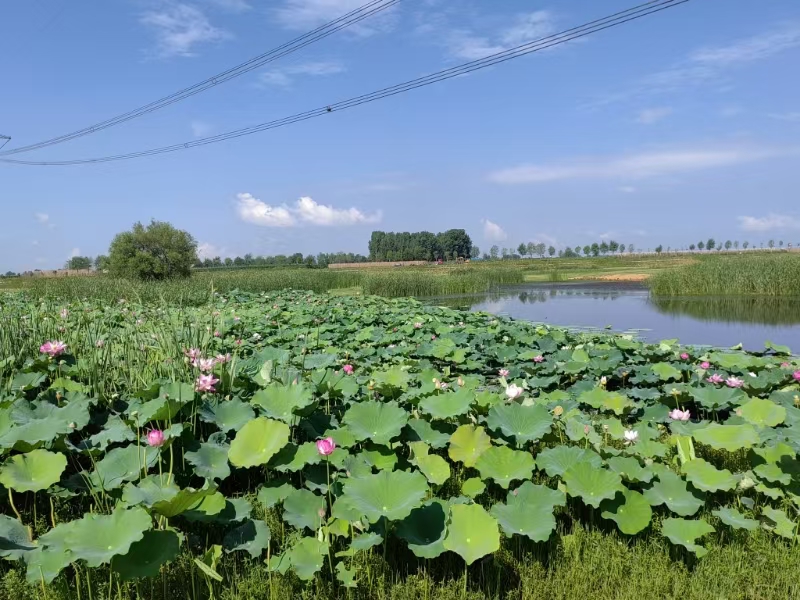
point(773, 274)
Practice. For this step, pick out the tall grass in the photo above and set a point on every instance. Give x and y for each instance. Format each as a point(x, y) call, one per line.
point(756, 275)
point(430, 282)
point(772, 310)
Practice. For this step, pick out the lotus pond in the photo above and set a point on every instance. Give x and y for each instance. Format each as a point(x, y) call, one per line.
point(305, 434)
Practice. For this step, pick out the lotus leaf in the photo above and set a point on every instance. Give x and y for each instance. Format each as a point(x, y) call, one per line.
point(772, 473)
point(779, 523)
point(671, 490)
point(629, 510)
point(45, 566)
point(425, 529)
point(123, 464)
point(387, 494)
point(273, 492)
point(429, 433)
point(733, 518)
point(434, 467)
point(704, 476)
point(210, 460)
point(630, 469)
point(14, 540)
point(302, 508)
point(467, 443)
point(149, 490)
point(33, 471)
point(185, 499)
point(365, 541)
point(528, 511)
point(472, 487)
point(207, 509)
point(257, 442)
point(667, 372)
point(447, 405)
point(555, 461)
point(345, 576)
point(293, 458)
point(762, 413)
point(685, 532)
point(712, 398)
point(591, 484)
point(524, 423)
point(504, 465)
point(282, 402)
point(472, 533)
point(145, 557)
point(228, 415)
point(602, 399)
point(307, 557)
point(378, 422)
point(251, 536)
point(727, 437)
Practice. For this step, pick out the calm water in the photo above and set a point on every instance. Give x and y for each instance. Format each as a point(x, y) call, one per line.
point(629, 307)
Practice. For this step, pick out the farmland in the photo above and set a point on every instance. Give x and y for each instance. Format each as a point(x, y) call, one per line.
point(292, 444)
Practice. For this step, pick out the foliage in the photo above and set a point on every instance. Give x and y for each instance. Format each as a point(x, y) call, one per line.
point(79, 263)
point(155, 252)
point(448, 245)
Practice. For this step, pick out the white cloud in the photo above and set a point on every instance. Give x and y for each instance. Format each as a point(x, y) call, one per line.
point(200, 128)
point(728, 112)
point(492, 232)
point(208, 250)
point(284, 76)
point(637, 166)
point(751, 49)
point(43, 218)
point(308, 14)
point(628, 189)
point(467, 45)
point(305, 211)
point(771, 222)
point(793, 117)
point(231, 5)
point(34, 242)
point(648, 116)
point(180, 27)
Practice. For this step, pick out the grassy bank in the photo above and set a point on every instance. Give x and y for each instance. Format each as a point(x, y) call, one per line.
point(775, 274)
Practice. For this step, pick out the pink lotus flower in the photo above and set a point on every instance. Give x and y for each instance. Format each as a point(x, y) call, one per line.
point(796, 375)
point(64, 313)
point(192, 353)
point(155, 438)
point(52, 348)
point(715, 378)
point(513, 391)
point(538, 359)
point(417, 325)
point(785, 365)
point(705, 365)
point(503, 372)
point(680, 415)
point(348, 369)
point(204, 364)
point(205, 383)
point(734, 382)
point(684, 356)
point(326, 447)
point(433, 337)
point(99, 343)
point(217, 333)
point(221, 359)
point(238, 342)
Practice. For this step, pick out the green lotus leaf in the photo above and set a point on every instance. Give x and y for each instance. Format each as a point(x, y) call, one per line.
point(648, 449)
point(378, 422)
point(123, 464)
point(772, 473)
point(302, 508)
point(145, 557)
point(273, 492)
point(555, 461)
point(425, 528)
point(393, 381)
point(149, 490)
point(251, 537)
point(671, 490)
point(524, 423)
point(343, 509)
point(185, 499)
point(774, 454)
point(114, 431)
point(43, 421)
point(630, 469)
point(14, 540)
point(43, 565)
point(528, 511)
point(504, 465)
point(727, 437)
point(345, 576)
point(379, 457)
point(210, 460)
point(467, 443)
point(629, 510)
point(447, 405)
point(685, 532)
point(158, 409)
point(602, 399)
point(733, 518)
point(208, 563)
point(96, 539)
point(434, 467)
point(207, 509)
point(387, 494)
point(704, 476)
point(365, 541)
point(34, 471)
point(283, 402)
point(228, 415)
point(712, 398)
point(473, 487)
point(773, 493)
point(293, 457)
point(762, 413)
point(434, 435)
point(779, 523)
point(343, 437)
point(472, 532)
point(667, 372)
point(591, 484)
point(257, 442)
point(307, 557)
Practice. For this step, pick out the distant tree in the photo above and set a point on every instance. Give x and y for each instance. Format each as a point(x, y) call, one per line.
point(530, 249)
point(595, 249)
point(710, 243)
point(522, 249)
point(691, 246)
point(622, 248)
point(475, 252)
point(228, 261)
point(561, 253)
point(494, 251)
point(771, 243)
point(504, 252)
point(586, 250)
point(541, 249)
point(736, 245)
point(780, 243)
point(701, 245)
point(577, 251)
point(604, 248)
point(659, 249)
point(728, 244)
point(551, 251)
point(101, 262)
point(79, 262)
point(613, 246)
point(631, 248)
point(157, 251)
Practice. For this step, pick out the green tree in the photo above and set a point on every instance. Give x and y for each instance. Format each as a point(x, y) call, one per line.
point(691, 247)
point(622, 248)
point(79, 262)
point(613, 246)
point(551, 251)
point(587, 250)
point(595, 249)
point(101, 262)
point(728, 244)
point(531, 249)
point(771, 243)
point(736, 245)
point(577, 251)
point(701, 245)
point(494, 252)
point(475, 252)
point(604, 248)
point(631, 248)
point(522, 249)
point(710, 243)
point(659, 249)
point(158, 251)
point(541, 249)
point(780, 243)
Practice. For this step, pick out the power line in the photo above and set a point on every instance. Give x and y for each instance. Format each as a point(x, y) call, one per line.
point(631, 14)
point(6, 138)
point(348, 20)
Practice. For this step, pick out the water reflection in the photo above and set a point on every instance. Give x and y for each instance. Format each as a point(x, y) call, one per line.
point(629, 307)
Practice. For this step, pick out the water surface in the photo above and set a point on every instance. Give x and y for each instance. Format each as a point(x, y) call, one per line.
point(711, 321)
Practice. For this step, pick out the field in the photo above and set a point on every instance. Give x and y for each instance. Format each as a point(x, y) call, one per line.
point(301, 445)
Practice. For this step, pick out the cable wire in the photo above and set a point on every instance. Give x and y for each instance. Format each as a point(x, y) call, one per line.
point(631, 14)
point(348, 20)
point(6, 138)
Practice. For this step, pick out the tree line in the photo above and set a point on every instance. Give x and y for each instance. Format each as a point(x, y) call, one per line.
point(423, 245)
point(323, 259)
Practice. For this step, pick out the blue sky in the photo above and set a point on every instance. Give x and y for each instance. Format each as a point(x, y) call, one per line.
point(673, 128)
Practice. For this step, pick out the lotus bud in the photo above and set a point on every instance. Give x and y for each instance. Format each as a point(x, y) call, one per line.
point(558, 411)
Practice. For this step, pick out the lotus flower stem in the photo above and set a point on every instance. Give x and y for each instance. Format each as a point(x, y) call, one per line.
point(14, 508)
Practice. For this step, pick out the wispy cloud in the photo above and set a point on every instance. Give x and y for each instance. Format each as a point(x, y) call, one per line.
point(793, 117)
point(307, 14)
point(467, 45)
point(637, 166)
point(772, 222)
point(74, 252)
point(207, 250)
point(179, 28)
point(44, 219)
point(648, 116)
point(492, 232)
point(231, 5)
point(751, 49)
point(305, 212)
point(627, 189)
point(284, 76)
point(201, 128)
